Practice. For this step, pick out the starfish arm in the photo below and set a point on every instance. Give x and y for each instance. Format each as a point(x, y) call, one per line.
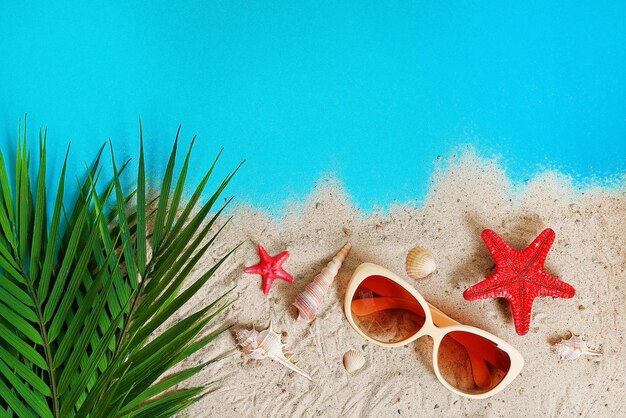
point(551, 286)
point(282, 274)
point(265, 257)
point(488, 288)
point(256, 269)
point(267, 284)
point(501, 252)
point(535, 254)
point(281, 258)
point(521, 307)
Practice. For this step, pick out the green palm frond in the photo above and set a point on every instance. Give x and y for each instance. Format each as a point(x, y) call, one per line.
point(83, 291)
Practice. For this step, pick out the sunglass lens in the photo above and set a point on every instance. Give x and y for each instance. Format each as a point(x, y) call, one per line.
point(471, 363)
point(385, 311)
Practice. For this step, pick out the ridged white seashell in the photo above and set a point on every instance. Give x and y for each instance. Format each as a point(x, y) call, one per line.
point(353, 361)
point(309, 300)
point(572, 348)
point(257, 345)
point(420, 263)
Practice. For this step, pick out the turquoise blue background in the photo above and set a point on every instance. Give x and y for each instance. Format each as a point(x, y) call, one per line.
point(370, 91)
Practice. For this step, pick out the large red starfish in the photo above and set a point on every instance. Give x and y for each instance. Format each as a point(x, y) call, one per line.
point(520, 277)
point(270, 268)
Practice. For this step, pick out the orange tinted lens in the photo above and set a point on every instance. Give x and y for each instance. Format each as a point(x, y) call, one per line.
point(385, 311)
point(471, 363)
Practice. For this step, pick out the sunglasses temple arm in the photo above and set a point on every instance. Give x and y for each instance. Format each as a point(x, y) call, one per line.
point(440, 319)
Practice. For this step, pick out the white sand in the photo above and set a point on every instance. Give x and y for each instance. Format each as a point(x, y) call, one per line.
point(589, 253)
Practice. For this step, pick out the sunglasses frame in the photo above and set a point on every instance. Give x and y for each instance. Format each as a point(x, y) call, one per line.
point(433, 315)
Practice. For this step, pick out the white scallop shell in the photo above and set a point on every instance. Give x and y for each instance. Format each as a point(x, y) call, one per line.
point(572, 348)
point(258, 345)
point(353, 361)
point(420, 263)
point(309, 300)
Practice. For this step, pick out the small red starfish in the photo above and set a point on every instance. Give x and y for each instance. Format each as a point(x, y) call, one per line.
point(270, 268)
point(519, 277)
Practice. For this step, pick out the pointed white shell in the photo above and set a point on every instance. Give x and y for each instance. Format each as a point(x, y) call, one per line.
point(353, 361)
point(420, 263)
point(309, 300)
point(572, 348)
point(257, 345)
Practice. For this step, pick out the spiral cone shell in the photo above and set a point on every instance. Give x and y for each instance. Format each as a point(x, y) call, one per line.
point(309, 300)
point(420, 263)
point(353, 361)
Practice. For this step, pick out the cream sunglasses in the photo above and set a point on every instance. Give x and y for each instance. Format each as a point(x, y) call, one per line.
point(386, 310)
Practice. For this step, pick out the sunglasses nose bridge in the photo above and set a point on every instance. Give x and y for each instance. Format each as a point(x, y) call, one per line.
point(432, 331)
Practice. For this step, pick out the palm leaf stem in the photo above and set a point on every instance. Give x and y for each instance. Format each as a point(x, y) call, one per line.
point(46, 342)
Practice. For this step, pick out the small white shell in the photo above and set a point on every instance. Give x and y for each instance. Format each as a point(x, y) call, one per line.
point(353, 361)
point(420, 263)
point(572, 348)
